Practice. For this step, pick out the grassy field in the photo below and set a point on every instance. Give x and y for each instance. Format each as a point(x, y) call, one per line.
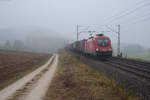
point(142, 56)
point(14, 65)
point(77, 81)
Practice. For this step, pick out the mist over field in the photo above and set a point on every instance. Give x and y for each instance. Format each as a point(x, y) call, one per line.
point(47, 25)
point(36, 40)
point(75, 49)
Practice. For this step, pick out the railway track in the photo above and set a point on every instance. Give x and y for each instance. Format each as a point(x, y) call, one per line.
point(134, 62)
point(135, 67)
point(134, 75)
point(139, 71)
point(138, 68)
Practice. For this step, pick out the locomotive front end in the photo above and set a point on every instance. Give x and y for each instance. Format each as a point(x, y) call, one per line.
point(103, 46)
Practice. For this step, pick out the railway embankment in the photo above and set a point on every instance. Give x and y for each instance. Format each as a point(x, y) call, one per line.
point(132, 75)
point(75, 80)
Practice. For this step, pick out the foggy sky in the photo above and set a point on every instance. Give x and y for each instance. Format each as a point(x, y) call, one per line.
point(62, 16)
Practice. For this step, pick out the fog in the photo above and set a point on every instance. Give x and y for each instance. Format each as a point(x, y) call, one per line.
point(43, 23)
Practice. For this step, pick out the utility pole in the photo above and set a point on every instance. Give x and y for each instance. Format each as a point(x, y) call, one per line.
point(118, 33)
point(119, 40)
point(77, 32)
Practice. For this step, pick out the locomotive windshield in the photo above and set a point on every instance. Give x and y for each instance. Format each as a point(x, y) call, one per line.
point(103, 42)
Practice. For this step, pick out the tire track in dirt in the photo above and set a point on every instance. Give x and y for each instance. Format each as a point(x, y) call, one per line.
point(9, 91)
point(22, 92)
point(38, 91)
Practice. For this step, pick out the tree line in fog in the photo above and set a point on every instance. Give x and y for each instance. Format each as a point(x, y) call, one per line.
point(43, 45)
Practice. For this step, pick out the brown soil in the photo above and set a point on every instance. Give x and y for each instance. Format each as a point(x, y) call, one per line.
point(14, 65)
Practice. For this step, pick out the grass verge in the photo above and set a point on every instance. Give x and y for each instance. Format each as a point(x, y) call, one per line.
point(77, 81)
point(142, 57)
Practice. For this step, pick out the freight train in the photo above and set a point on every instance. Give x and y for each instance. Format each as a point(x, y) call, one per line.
point(99, 46)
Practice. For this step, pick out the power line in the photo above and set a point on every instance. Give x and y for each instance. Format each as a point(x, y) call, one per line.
point(141, 1)
point(143, 18)
point(138, 18)
point(129, 11)
point(139, 21)
point(147, 18)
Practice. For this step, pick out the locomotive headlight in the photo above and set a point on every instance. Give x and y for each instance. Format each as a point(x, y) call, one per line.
point(97, 49)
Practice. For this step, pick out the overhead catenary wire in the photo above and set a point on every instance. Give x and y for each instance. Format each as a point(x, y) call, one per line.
point(129, 11)
point(138, 3)
point(137, 18)
point(140, 19)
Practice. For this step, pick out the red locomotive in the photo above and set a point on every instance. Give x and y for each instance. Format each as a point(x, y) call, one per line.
point(99, 45)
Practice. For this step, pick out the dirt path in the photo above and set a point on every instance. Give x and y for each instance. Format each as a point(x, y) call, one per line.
point(38, 89)
point(41, 87)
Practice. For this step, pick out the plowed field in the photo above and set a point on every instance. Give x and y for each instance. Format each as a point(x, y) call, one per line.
point(14, 65)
